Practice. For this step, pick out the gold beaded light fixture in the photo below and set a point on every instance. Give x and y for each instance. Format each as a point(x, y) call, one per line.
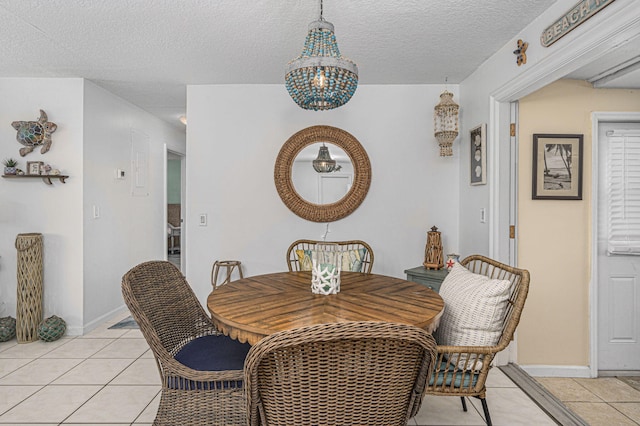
point(321, 78)
point(445, 123)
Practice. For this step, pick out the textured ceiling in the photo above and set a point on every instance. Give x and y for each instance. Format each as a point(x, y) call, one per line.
point(147, 51)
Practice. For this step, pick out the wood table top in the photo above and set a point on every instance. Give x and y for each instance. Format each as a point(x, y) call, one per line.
point(254, 307)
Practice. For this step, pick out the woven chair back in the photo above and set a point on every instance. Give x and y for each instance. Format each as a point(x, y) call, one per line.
point(293, 261)
point(354, 373)
point(164, 306)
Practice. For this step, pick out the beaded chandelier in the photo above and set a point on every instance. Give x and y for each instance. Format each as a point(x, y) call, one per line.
point(320, 78)
point(445, 123)
point(324, 163)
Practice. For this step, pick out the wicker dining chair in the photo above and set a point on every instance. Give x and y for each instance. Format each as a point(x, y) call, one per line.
point(293, 259)
point(352, 373)
point(454, 377)
point(201, 371)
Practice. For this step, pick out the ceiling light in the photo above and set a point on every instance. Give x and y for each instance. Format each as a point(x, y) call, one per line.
point(320, 78)
point(445, 123)
point(324, 163)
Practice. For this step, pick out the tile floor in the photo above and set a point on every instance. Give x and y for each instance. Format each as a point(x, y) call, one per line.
point(604, 401)
point(109, 377)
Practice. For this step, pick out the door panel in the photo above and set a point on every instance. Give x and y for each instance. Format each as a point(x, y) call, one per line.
point(618, 280)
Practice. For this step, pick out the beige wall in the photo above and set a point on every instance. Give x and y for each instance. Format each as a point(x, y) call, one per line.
point(554, 235)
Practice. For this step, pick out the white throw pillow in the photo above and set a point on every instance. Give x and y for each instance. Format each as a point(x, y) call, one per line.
point(474, 310)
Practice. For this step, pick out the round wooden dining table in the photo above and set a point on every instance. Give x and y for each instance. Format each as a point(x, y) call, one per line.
point(252, 308)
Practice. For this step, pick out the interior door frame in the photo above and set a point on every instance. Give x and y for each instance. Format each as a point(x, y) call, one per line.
point(596, 119)
point(183, 163)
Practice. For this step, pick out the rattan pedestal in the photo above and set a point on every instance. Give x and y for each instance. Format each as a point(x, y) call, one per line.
point(29, 274)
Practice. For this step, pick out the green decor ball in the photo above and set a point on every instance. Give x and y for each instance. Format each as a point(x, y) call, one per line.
point(52, 329)
point(7, 328)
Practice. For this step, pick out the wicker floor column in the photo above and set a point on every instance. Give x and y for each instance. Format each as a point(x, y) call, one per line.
point(29, 309)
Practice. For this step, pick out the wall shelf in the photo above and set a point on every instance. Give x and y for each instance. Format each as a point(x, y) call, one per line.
point(45, 178)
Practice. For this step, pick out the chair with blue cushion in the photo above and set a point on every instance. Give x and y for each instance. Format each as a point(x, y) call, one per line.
point(201, 371)
point(348, 373)
point(357, 255)
point(462, 369)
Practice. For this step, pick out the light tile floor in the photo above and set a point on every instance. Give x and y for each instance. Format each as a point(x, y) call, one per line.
point(109, 377)
point(604, 401)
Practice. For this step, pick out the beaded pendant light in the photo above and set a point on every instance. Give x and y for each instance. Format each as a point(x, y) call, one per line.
point(320, 78)
point(445, 123)
point(324, 163)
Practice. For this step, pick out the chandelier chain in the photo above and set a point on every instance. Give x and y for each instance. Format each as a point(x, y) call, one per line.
point(321, 11)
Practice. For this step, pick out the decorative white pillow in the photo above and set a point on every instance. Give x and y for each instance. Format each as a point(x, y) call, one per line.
point(351, 260)
point(474, 310)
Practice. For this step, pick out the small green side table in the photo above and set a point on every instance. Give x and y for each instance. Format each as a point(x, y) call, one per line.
point(432, 278)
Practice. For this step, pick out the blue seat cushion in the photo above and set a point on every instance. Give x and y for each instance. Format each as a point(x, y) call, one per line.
point(444, 376)
point(211, 353)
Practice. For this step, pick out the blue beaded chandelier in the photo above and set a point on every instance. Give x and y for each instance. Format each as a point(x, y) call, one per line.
point(320, 78)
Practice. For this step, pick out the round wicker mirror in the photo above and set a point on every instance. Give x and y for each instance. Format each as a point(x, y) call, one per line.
point(322, 212)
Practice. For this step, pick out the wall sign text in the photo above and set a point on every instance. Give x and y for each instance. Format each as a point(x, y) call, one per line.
point(578, 14)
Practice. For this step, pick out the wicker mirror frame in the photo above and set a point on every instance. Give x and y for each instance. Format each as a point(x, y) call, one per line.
point(322, 212)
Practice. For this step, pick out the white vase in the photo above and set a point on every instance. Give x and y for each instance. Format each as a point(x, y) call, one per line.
point(325, 269)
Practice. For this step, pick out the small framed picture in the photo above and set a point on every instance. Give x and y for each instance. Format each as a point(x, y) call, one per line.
point(557, 167)
point(478, 162)
point(34, 167)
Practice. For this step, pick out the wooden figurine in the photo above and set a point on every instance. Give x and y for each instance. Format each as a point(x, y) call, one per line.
point(433, 250)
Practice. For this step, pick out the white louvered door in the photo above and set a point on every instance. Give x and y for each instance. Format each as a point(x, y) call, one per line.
point(619, 247)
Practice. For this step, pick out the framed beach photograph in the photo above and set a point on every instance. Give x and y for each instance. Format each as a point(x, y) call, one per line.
point(34, 167)
point(478, 162)
point(557, 167)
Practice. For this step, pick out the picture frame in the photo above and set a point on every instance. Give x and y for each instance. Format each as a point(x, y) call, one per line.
point(557, 166)
point(34, 167)
point(478, 155)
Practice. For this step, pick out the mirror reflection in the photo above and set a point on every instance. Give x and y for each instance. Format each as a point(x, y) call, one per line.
point(322, 182)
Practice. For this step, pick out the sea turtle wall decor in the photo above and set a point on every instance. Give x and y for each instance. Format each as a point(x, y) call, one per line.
point(34, 133)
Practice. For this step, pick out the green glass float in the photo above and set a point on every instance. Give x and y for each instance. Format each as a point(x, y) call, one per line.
point(35, 133)
point(52, 329)
point(7, 328)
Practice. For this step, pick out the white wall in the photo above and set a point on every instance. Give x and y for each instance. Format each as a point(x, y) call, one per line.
point(130, 229)
point(29, 205)
point(84, 258)
point(235, 133)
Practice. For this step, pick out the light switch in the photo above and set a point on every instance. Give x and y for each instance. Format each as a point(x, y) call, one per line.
point(96, 212)
point(483, 215)
point(203, 219)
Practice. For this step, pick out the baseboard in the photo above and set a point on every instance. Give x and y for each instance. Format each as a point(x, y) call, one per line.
point(617, 373)
point(101, 319)
point(557, 370)
point(74, 331)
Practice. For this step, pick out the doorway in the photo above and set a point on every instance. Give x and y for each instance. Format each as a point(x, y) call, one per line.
point(617, 278)
point(175, 208)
